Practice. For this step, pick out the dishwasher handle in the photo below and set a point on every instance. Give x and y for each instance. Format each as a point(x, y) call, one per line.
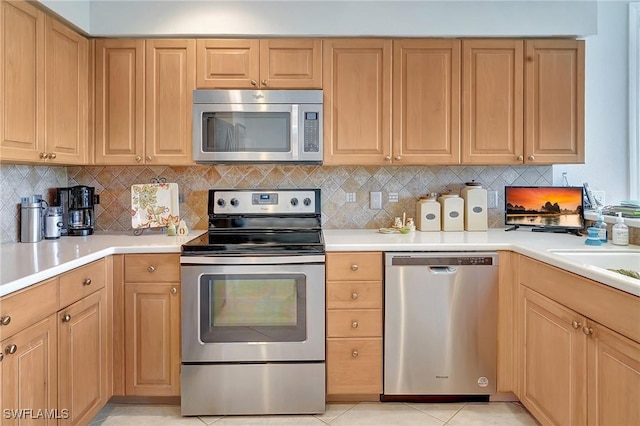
point(446, 270)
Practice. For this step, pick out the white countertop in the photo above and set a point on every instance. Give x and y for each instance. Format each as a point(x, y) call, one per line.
point(537, 245)
point(24, 264)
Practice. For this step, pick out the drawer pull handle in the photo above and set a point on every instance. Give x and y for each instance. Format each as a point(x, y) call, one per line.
point(151, 268)
point(576, 324)
point(354, 267)
point(354, 296)
point(354, 324)
point(66, 318)
point(587, 330)
point(11, 349)
point(174, 290)
point(86, 281)
point(354, 354)
point(5, 320)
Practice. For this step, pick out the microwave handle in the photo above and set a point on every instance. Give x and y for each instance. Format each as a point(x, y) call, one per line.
point(295, 129)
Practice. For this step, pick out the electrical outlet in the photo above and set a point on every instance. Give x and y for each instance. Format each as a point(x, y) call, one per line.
point(599, 196)
point(492, 199)
point(393, 197)
point(375, 200)
point(350, 197)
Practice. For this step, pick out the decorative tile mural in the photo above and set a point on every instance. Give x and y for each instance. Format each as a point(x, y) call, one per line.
point(113, 183)
point(17, 181)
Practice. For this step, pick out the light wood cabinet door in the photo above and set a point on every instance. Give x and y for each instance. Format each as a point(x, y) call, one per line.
point(354, 366)
point(152, 339)
point(28, 373)
point(22, 77)
point(170, 81)
point(492, 105)
point(119, 102)
point(426, 102)
point(357, 101)
point(228, 63)
point(67, 92)
point(613, 379)
point(554, 101)
point(82, 358)
point(291, 64)
point(553, 361)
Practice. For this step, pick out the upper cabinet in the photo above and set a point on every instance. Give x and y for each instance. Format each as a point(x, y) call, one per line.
point(144, 101)
point(554, 101)
point(357, 101)
point(253, 64)
point(44, 86)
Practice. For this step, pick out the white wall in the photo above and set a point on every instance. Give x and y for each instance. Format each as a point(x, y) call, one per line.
point(606, 116)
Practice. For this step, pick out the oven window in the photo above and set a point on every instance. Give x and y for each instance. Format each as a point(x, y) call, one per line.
point(246, 132)
point(252, 308)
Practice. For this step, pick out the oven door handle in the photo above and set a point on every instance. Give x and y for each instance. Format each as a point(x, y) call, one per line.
point(250, 260)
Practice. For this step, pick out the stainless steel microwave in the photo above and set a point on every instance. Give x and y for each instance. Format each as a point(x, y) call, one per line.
point(257, 126)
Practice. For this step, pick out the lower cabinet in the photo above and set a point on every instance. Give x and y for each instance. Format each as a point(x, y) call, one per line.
point(572, 369)
point(152, 339)
point(82, 358)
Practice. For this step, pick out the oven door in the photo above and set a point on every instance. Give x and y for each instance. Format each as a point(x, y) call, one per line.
point(250, 309)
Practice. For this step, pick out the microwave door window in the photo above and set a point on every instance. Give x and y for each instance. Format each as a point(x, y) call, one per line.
point(247, 132)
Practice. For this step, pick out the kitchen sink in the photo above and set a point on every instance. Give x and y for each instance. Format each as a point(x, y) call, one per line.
point(605, 259)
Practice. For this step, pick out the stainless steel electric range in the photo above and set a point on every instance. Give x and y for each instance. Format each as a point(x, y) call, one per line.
point(253, 309)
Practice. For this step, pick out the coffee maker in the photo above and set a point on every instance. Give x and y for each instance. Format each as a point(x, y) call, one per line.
point(78, 215)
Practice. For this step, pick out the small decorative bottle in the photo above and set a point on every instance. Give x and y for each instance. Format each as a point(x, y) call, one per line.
point(171, 229)
point(182, 228)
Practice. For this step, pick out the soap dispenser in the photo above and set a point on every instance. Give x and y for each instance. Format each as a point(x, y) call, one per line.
point(602, 227)
point(620, 232)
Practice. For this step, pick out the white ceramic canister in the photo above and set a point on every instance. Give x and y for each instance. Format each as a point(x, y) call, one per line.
point(428, 214)
point(475, 206)
point(452, 212)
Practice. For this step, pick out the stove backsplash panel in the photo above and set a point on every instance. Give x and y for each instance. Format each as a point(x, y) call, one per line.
point(113, 183)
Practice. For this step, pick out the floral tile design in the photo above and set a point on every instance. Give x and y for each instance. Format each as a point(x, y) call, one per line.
point(154, 205)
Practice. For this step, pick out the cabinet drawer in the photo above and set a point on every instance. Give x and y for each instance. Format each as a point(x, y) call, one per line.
point(148, 268)
point(354, 366)
point(354, 266)
point(81, 282)
point(354, 323)
point(354, 294)
point(24, 308)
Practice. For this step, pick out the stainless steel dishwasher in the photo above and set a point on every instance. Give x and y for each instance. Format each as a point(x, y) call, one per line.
point(440, 323)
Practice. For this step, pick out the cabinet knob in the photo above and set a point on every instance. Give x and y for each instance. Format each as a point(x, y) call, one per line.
point(52, 155)
point(148, 158)
point(151, 268)
point(66, 318)
point(576, 324)
point(587, 330)
point(397, 158)
point(11, 349)
point(1, 356)
point(174, 290)
point(264, 82)
point(531, 158)
point(254, 83)
point(354, 267)
point(354, 296)
point(520, 157)
point(388, 158)
point(44, 155)
point(5, 320)
point(86, 281)
point(354, 354)
point(354, 324)
point(138, 159)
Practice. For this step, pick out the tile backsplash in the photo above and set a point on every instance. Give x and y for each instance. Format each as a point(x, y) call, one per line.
point(113, 184)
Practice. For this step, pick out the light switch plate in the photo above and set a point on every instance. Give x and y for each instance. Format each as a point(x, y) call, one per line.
point(350, 197)
point(375, 200)
point(492, 199)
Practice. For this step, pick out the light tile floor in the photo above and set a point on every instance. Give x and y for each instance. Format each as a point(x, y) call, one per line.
point(366, 414)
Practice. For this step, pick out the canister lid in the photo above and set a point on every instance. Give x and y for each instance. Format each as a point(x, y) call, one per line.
point(473, 183)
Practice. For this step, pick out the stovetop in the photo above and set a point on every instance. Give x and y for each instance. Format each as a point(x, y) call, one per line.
point(261, 222)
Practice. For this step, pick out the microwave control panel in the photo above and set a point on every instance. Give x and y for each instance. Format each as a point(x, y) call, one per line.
point(311, 132)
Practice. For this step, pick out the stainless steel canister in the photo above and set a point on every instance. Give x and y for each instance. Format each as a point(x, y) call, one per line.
point(31, 222)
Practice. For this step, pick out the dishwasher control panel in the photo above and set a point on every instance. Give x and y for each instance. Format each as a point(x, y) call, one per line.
point(419, 259)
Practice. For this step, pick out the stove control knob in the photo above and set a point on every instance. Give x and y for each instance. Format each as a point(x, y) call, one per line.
point(307, 201)
point(234, 202)
point(294, 202)
point(221, 202)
